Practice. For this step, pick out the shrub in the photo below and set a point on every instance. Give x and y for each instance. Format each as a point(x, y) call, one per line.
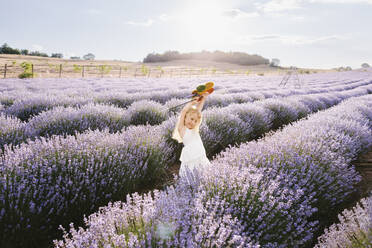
point(50, 182)
point(144, 111)
point(354, 229)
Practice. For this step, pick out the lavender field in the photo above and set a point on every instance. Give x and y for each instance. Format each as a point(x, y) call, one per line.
point(86, 163)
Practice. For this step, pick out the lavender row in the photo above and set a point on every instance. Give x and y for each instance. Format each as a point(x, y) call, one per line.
point(145, 85)
point(243, 121)
point(48, 182)
point(313, 155)
point(25, 106)
point(354, 229)
point(68, 120)
point(261, 193)
point(163, 129)
point(239, 123)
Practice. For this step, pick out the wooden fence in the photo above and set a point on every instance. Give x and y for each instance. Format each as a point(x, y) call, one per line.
point(85, 71)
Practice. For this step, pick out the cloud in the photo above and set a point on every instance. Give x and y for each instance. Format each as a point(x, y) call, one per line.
point(291, 39)
point(164, 17)
point(279, 5)
point(92, 11)
point(342, 1)
point(235, 13)
point(147, 23)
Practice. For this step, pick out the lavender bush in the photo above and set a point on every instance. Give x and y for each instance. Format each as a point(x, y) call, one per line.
point(239, 123)
point(121, 100)
point(68, 120)
point(12, 131)
point(354, 229)
point(221, 129)
point(49, 182)
point(269, 190)
point(223, 206)
point(313, 154)
point(26, 108)
point(144, 111)
point(232, 125)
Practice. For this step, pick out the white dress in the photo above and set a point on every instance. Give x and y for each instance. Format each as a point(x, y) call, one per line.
point(193, 154)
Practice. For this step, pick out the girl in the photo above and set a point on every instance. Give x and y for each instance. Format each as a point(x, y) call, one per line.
point(193, 154)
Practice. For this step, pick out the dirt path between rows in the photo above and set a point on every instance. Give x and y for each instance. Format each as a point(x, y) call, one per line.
point(364, 166)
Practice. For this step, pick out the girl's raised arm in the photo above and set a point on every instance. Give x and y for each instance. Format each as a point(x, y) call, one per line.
point(181, 126)
point(202, 101)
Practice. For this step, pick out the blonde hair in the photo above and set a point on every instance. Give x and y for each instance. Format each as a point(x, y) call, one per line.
point(176, 135)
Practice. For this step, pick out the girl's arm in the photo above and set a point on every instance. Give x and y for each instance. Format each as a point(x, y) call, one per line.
point(181, 127)
point(202, 101)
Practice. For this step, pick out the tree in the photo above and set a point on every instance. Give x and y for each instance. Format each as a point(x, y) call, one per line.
point(5, 49)
point(365, 65)
point(89, 56)
point(275, 62)
point(57, 55)
point(24, 52)
point(37, 53)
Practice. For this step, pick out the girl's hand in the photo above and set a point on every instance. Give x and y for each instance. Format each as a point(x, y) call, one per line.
point(205, 94)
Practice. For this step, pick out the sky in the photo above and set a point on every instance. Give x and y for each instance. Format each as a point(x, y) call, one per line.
point(318, 34)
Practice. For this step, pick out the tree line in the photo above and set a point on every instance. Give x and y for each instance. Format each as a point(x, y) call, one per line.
point(6, 49)
point(240, 58)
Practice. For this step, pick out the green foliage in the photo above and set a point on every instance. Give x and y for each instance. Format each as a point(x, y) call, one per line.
point(6, 49)
point(57, 55)
point(14, 62)
point(77, 68)
point(27, 70)
point(25, 75)
point(104, 69)
point(247, 72)
point(218, 56)
point(160, 69)
point(144, 69)
point(37, 53)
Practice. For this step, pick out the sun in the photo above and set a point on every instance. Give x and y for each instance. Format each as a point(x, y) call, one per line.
point(204, 22)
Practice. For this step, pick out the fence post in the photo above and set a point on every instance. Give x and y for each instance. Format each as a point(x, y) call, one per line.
point(120, 72)
point(32, 70)
point(83, 71)
point(5, 70)
point(135, 73)
point(149, 73)
point(60, 70)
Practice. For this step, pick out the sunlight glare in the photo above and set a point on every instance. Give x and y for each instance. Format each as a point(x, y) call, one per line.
point(205, 22)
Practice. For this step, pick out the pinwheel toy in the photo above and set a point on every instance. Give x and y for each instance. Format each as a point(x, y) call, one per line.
point(198, 92)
